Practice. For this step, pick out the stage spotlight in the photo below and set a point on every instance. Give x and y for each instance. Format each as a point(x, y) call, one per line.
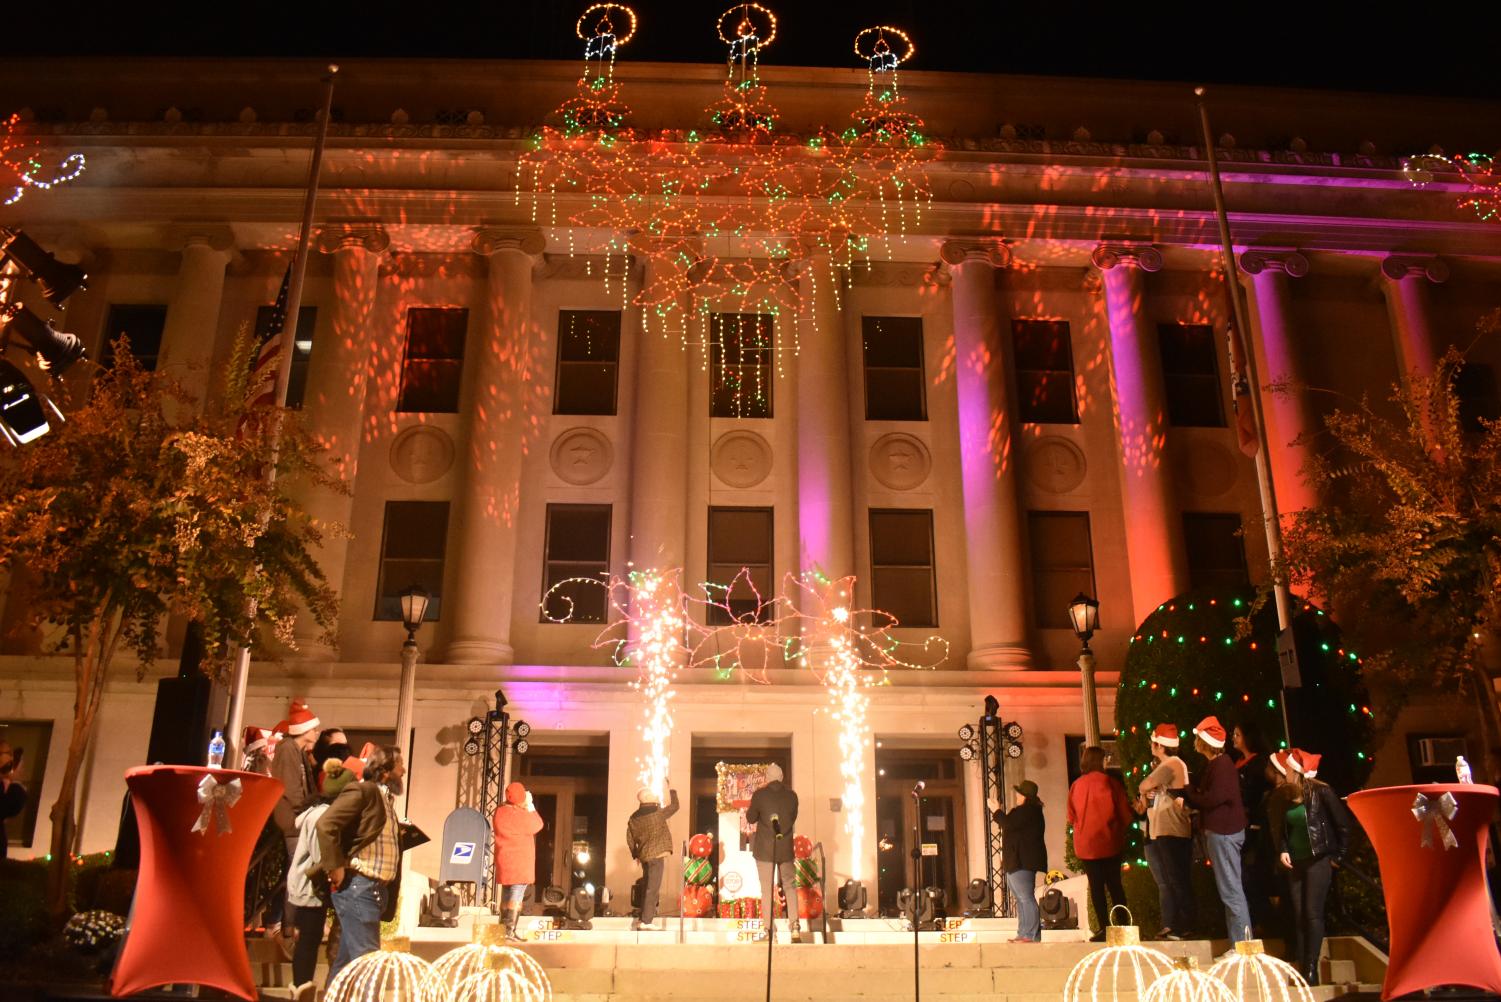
point(57, 280)
point(966, 732)
point(471, 747)
point(929, 901)
point(1013, 751)
point(992, 707)
point(58, 349)
point(977, 898)
point(440, 909)
point(967, 752)
point(522, 728)
point(578, 912)
point(852, 899)
point(522, 746)
point(23, 411)
point(554, 898)
point(1013, 731)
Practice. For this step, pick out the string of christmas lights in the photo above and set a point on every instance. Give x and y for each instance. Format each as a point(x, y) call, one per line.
point(25, 170)
point(1475, 169)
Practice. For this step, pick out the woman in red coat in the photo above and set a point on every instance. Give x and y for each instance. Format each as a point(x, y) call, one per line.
point(1099, 814)
point(516, 826)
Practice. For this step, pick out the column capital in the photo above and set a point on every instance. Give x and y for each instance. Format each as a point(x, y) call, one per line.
point(490, 240)
point(964, 250)
point(1429, 266)
point(213, 236)
point(1129, 253)
point(371, 237)
point(1283, 260)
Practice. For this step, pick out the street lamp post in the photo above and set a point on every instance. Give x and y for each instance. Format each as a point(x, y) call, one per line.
point(414, 603)
point(1084, 617)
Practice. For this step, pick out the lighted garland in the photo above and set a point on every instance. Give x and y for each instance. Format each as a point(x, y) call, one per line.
point(1475, 169)
point(24, 170)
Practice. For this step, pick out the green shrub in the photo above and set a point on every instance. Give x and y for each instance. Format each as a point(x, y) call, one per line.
point(23, 902)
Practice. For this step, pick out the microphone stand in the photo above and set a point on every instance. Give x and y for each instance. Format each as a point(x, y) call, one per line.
point(916, 896)
point(768, 921)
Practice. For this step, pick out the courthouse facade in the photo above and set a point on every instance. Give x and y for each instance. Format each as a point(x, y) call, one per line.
point(1023, 396)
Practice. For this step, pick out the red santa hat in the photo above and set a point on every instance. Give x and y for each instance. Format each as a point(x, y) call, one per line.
point(300, 719)
point(1305, 762)
point(1166, 735)
point(1211, 731)
point(1279, 761)
point(257, 739)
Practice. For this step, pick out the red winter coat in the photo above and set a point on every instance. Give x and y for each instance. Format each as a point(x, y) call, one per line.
point(515, 844)
point(1100, 814)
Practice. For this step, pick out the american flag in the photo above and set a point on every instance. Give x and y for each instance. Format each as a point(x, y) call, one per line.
point(260, 391)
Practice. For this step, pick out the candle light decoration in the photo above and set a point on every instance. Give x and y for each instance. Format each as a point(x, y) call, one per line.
point(390, 974)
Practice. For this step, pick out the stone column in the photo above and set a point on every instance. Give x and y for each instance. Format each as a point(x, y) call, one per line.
point(334, 399)
point(987, 460)
point(192, 324)
point(659, 452)
point(825, 509)
point(1288, 413)
point(1154, 534)
point(1404, 282)
point(485, 510)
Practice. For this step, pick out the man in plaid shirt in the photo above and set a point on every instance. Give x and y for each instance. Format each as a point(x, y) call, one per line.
point(360, 850)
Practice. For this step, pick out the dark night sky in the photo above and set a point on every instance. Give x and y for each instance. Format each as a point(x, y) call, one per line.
point(1406, 47)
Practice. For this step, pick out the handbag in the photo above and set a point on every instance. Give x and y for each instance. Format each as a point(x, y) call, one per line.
point(409, 836)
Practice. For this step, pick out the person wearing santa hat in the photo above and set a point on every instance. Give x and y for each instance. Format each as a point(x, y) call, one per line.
point(1169, 833)
point(1216, 794)
point(294, 766)
point(257, 746)
point(1310, 833)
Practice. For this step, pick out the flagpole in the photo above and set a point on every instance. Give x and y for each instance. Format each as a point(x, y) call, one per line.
point(234, 724)
point(1271, 517)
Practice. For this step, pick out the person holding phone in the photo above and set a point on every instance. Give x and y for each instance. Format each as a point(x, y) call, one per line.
point(12, 793)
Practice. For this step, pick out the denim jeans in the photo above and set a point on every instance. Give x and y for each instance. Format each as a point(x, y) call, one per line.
point(1023, 885)
point(1170, 857)
point(1224, 853)
point(358, 904)
point(654, 868)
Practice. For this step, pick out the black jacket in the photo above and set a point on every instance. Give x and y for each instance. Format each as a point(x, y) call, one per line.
point(1023, 846)
point(772, 799)
point(1328, 825)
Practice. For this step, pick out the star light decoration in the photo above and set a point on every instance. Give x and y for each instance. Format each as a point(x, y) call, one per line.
point(1475, 169)
point(24, 170)
point(659, 628)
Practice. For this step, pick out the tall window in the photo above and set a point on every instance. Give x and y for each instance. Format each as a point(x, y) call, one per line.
point(1044, 371)
point(588, 360)
point(143, 325)
point(894, 386)
point(434, 360)
point(1191, 375)
point(1062, 564)
point(741, 538)
point(901, 565)
point(302, 348)
point(1216, 550)
point(1475, 386)
point(577, 546)
point(411, 553)
point(740, 373)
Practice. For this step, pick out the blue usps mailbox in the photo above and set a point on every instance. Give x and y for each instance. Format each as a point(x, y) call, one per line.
point(464, 835)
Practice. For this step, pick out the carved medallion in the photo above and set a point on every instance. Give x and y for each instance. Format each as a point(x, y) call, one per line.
point(1055, 465)
point(741, 458)
point(422, 454)
point(900, 462)
point(581, 455)
point(1204, 469)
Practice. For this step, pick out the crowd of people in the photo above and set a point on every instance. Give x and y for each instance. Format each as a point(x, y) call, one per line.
point(1269, 829)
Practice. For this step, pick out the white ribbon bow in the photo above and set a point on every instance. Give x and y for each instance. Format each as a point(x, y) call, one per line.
point(217, 798)
point(1436, 812)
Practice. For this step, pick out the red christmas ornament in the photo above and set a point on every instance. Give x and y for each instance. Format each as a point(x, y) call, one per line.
point(698, 900)
point(802, 847)
point(809, 903)
point(701, 846)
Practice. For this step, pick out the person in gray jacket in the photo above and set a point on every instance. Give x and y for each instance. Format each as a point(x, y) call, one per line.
point(773, 810)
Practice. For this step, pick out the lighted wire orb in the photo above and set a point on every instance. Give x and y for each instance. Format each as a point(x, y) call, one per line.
point(1256, 976)
point(505, 972)
point(1186, 983)
point(1122, 967)
point(390, 974)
